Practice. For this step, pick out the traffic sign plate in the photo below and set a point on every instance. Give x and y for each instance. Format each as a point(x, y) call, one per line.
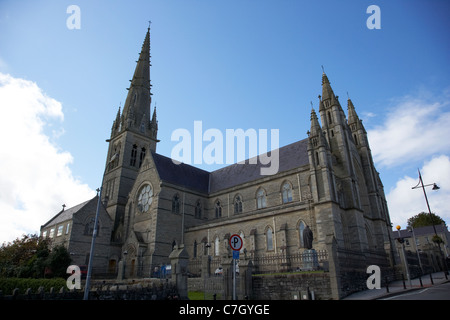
point(235, 254)
point(235, 242)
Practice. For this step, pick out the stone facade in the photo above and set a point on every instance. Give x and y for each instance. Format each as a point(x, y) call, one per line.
point(73, 228)
point(326, 181)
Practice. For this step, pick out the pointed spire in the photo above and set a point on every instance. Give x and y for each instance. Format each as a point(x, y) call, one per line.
point(315, 126)
point(154, 121)
point(137, 104)
point(141, 75)
point(352, 116)
point(316, 136)
point(354, 122)
point(327, 92)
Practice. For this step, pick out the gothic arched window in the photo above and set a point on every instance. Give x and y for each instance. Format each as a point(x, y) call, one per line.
point(286, 192)
point(176, 204)
point(133, 155)
point(237, 204)
point(260, 199)
point(141, 157)
point(89, 227)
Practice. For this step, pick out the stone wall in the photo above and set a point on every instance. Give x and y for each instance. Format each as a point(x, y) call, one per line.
point(292, 286)
point(143, 290)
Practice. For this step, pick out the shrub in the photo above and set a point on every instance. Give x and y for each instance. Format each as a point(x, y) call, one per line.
point(7, 285)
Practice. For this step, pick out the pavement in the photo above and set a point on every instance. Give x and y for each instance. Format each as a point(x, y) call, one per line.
point(396, 287)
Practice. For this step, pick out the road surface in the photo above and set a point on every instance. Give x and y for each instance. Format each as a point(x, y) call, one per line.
point(437, 292)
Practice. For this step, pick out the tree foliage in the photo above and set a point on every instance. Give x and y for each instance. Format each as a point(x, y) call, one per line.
point(30, 257)
point(424, 219)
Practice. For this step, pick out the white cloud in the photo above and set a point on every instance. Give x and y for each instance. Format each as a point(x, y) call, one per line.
point(405, 202)
point(35, 177)
point(415, 129)
point(415, 132)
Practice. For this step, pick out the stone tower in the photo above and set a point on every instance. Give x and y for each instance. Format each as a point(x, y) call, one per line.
point(356, 186)
point(133, 134)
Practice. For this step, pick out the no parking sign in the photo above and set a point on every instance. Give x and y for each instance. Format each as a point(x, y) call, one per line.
point(235, 242)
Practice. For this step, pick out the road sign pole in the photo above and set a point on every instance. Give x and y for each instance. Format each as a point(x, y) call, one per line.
point(236, 245)
point(234, 279)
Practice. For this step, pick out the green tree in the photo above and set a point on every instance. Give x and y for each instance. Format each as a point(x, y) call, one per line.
point(30, 256)
point(424, 219)
point(17, 257)
point(58, 261)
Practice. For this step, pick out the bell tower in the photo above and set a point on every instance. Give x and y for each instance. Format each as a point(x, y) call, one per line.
point(133, 135)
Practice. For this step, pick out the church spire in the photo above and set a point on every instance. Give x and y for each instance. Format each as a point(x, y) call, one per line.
point(327, 92)
point(352, 116)
point(137, 105)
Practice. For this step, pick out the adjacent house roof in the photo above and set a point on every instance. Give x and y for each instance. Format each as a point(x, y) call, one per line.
point(67, 214)
point(291, 156)
point(404, 233)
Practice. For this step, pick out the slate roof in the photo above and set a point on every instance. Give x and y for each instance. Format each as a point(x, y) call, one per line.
point(291, 156)
point(181, 174)
point(404, 233)
point(66, 214)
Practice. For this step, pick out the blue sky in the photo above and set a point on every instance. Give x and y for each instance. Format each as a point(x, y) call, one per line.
point(231, 64)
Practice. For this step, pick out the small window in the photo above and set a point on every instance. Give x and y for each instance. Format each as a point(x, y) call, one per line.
point(44, 234)
point(133, 156)
point(67, 228)
point(218, 208)
point(141, 157)
point(198, 210)
point(59, 232)
point(89, 227)
point(287, 192)
point(176, 204)
point(237, 204)
point(261, 199)
point(52, 233)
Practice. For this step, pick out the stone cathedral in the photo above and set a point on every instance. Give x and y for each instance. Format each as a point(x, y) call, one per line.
point(326, 182)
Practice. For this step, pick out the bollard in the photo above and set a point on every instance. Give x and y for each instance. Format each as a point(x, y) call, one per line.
point(420, 280)
point(431, 278)
point(403, 280)
point(387, 284)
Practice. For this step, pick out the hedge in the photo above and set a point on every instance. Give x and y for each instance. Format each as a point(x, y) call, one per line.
point(7, 285)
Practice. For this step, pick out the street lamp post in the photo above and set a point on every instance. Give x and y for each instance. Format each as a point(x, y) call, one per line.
point(435, 187)
point(94, 234)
